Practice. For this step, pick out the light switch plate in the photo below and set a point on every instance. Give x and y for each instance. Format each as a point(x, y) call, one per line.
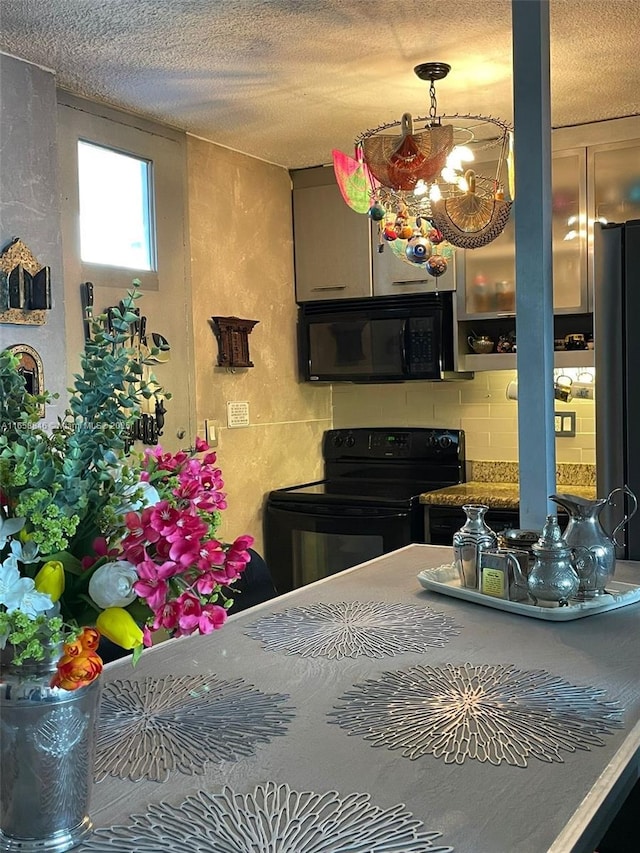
point(211, 432)
point(237, 414)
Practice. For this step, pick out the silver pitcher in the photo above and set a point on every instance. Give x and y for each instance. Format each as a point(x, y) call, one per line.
point(559, 569)
point(584, 530)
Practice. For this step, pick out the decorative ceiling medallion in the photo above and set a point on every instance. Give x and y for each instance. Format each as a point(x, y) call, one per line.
point(271, 818)
point(351, 629)
point(487, 713)
point(153, 727)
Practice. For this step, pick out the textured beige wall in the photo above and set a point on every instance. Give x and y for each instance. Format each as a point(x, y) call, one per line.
point(242, 266)
point(480, 407)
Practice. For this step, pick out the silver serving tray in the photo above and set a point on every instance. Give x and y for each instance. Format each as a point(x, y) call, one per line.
point(445, 580)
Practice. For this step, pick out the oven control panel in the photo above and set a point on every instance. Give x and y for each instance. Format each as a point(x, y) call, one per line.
point(393, 443)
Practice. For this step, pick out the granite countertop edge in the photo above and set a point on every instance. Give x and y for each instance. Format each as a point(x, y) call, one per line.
point(495, 495)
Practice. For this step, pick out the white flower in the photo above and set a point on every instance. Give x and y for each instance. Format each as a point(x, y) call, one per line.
point(27, 552)
point(18, 593)
point(112, 584)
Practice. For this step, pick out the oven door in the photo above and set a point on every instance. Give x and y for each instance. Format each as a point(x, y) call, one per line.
point(305, 542)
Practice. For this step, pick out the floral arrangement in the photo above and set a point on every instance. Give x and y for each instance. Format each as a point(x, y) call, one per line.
point(96, 539)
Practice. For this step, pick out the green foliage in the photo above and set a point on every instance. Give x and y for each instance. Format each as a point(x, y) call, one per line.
point(71, 482)
point(30, 636)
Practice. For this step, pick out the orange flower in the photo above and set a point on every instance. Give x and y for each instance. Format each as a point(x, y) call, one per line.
point(90, 639)
point(76, 670)
point(86, 642)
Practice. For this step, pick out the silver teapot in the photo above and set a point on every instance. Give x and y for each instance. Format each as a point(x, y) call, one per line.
point(559, 569)
point(584, 530)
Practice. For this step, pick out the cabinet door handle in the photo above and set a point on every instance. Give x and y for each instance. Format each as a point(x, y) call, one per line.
point(331, 287)
point(412, 281)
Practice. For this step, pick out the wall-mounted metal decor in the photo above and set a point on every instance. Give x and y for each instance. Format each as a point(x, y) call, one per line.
point(151, 728)
point(498, 714)
point(351, 629)
point(233, 340)
point(271, 817)
point(25, 286)
point(31, 369)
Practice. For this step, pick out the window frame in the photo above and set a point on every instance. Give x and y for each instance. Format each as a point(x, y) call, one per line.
point(150, 192)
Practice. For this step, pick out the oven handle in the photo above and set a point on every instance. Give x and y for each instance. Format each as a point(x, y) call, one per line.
point(353, 512)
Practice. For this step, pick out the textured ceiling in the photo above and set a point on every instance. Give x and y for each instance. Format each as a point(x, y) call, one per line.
point(288, 80)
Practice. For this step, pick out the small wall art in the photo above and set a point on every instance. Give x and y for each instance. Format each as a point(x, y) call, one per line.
point(25, 286)
point(233, 340)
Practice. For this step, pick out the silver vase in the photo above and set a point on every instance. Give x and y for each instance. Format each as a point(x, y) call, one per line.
point(47, 738)
point(468, 543)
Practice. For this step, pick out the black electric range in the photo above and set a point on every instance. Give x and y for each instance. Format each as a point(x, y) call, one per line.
point(367, 504)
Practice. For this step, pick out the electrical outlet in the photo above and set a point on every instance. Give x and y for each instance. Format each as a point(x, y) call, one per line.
point(565, 424)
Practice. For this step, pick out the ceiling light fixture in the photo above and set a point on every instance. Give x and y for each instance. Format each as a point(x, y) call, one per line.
point(420, 185)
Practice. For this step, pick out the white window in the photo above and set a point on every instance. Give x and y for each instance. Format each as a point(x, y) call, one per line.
point(116, 208)
point(123, 183)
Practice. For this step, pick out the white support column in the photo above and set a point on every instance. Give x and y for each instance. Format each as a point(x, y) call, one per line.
point(534, 276)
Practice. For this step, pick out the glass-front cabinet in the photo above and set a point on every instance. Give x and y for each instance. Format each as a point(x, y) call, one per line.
point(613, 171)
point(487, 275)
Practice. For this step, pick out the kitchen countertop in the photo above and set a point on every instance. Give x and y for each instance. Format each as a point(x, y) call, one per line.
point(295, 730)
point(494, 495)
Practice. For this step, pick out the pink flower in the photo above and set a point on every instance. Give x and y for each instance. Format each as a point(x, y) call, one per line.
point(185, 551)
point(201, 445)
point(164, 518)
point(213, 617)
point(190, 611)
point(207, 583)
point(211, 554)
point(167, 617)
point(188, 526)
point(152, 585)
point(202, 619)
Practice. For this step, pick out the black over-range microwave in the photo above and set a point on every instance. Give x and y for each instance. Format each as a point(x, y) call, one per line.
point(377, 339)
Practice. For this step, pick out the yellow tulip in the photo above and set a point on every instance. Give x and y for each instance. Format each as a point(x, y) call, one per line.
point(119, 626)
point(50, 579)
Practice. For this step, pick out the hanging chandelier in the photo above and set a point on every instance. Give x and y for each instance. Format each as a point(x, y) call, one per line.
point(415, 177)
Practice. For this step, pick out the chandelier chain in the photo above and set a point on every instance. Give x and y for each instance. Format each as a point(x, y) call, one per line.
point(433, 109)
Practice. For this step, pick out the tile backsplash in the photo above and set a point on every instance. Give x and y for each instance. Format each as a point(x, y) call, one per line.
point(479, 406)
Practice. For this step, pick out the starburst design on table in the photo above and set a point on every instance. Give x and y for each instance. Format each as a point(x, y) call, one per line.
point(150, 728)
point(351, 629)
point(484, 712)
point(271, 818)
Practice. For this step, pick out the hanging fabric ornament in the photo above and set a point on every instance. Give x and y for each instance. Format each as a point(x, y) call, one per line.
point(469, 221)
point(354, 181)
point(400, 164)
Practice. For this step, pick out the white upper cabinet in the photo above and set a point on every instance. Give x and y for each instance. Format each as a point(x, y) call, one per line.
point(337, 250)
point(332, 242)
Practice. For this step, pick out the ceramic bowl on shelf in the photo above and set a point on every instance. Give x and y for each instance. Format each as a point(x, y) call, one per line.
point(481, 344)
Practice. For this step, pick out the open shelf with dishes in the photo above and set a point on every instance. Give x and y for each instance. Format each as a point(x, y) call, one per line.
point(573, 337)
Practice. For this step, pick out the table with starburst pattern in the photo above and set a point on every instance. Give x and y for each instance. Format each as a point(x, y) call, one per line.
point(364, 712)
